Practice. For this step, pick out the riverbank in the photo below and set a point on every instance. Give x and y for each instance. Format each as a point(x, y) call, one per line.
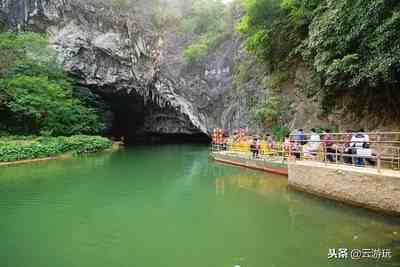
point(21, 149)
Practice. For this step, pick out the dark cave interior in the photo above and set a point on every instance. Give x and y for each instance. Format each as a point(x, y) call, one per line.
point(129, 117)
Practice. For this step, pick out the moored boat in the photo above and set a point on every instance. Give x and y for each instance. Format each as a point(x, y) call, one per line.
point(272, 165)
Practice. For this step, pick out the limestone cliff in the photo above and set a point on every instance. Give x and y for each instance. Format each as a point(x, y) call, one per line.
point(116, 54)
point(136, 68)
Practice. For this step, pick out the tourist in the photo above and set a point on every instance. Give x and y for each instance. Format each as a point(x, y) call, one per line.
point(301, 137)
point(270, 141)
point(366, 136)
point(220, 140)
point(230, 141)
point(367, 152)
point(214, 137)
point(313, 144)
point(224, 143)
point(287, 143)
point(291, 146)
point(258, 146)
point(236, 136)
point(358, 142)
point(255, 147)
point(328, 144)
point(347, 150)
point(295, 148)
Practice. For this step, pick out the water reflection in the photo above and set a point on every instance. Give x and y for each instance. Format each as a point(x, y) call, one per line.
point(220, 186)
point(338, 225)
point(259, 185)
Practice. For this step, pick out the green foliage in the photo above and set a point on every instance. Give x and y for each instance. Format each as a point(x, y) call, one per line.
point(243, 73)
point(122, 4)
point(165, 16)
point(23, 148)
point(20, 48)
point(206, 21)
point(270, 110)
point(2, 26)
point(274, 28)
point(116, 4)
point(276, 80)
point(279, 132)
point(199, 50)
point(269, 33)
point(308, 84)
point(44, 105)
point(301, 13)
point(205, 16)
point(196, 51)
point(36, 94)
point(354, 46)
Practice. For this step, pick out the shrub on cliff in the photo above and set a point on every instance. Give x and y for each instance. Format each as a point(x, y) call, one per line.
point(206, 23)
point(198, 50)
point(352, 46)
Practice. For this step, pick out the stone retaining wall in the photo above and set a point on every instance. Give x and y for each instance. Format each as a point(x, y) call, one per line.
point(359, 187)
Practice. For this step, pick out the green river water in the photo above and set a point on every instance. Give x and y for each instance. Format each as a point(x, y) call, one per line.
point(171, 206)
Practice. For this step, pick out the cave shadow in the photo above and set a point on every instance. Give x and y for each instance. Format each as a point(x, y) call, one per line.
point(130, 112)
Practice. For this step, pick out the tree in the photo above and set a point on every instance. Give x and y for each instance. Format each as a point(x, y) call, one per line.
point(354, 46)
point(351, 45)
point(269, 32)
point(46, 106)
point(35, 92)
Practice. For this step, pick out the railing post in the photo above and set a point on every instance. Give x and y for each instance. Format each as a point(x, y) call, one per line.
point(378, 160)
point(398, 158)
point(336, 154)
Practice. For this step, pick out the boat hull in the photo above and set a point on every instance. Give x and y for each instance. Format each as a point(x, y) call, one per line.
point(271, 166)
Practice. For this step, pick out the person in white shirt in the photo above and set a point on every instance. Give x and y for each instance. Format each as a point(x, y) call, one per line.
point(314, 143)
point(359, 141)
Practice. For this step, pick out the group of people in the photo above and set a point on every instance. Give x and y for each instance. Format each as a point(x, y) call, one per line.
point(354, 146)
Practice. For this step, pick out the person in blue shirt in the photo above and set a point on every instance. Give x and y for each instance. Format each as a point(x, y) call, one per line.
point(301, 137)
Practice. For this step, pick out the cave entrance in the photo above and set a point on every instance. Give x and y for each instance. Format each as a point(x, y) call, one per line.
point(138, 122)
point(129, 113)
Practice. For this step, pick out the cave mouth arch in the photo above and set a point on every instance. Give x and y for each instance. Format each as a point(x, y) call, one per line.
point(136, 121)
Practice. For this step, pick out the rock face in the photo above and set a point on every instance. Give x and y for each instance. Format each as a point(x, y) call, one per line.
point(209, 85)
point(116, 54)
point(136, 67)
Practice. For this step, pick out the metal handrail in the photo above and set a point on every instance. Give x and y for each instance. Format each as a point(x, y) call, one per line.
point(368, 133)
point(386, 152)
